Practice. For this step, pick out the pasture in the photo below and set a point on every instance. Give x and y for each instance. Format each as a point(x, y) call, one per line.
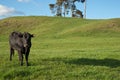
point(63, 49)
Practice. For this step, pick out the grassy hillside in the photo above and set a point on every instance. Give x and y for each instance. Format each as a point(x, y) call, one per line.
point(61, 27)
point(63, 48)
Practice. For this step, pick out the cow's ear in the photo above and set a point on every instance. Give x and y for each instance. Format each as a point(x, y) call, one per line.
point(32, 35)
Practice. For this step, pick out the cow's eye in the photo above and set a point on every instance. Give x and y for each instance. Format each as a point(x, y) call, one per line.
point(25, 36)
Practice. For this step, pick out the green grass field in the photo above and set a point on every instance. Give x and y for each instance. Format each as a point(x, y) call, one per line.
point(63, 49)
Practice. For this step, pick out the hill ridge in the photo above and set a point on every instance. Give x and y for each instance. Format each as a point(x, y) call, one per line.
point(58, 26)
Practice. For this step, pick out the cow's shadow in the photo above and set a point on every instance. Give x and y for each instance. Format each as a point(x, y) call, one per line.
point(96, 62)
point(86, 61)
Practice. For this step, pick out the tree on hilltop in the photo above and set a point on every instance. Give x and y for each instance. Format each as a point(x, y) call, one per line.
point(64, 7)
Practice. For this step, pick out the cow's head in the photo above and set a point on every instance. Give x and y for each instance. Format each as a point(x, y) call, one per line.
point(27, 39)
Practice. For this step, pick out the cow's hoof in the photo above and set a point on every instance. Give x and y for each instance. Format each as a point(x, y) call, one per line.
point(21, 64)
point(27, 65)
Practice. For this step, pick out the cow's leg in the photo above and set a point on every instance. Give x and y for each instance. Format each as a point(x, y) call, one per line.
point(11, 53)
point(20, 57)
point(26, 56)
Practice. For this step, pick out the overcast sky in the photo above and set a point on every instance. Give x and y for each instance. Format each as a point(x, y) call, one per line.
point(96, 9)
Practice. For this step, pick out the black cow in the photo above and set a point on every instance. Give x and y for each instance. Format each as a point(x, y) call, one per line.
point(22, 43)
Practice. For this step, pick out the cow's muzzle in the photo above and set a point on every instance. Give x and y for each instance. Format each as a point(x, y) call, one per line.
point(25, 45)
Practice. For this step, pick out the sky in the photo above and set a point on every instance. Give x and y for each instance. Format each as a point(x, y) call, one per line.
point(96, 9)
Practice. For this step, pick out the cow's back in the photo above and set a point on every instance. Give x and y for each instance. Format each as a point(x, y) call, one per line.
point(15, 40)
